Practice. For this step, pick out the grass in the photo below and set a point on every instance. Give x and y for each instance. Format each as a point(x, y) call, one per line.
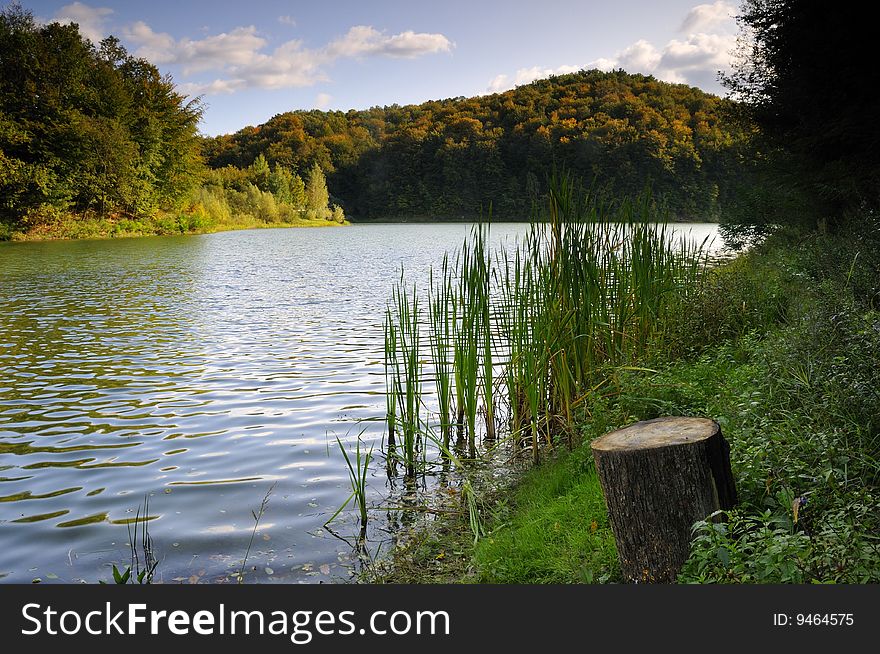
point(357, 475)
point(258, 516)
point(140, 571)
point(535, 330)
point(555, 531)
point(69, 226)
point(781, 346)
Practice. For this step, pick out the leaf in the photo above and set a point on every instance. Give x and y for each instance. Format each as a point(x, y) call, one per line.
point(119, 577)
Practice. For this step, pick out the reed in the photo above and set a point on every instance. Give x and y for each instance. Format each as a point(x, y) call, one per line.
point(440, 310)
point(403, 374)
point(541, 326)
point(257, 516)
point(357, 475)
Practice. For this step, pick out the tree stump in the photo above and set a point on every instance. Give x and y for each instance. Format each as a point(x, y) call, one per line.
point(659, 477)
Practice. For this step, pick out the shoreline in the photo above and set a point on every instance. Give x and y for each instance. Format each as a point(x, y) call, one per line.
point(105, 235)
point(548, 523)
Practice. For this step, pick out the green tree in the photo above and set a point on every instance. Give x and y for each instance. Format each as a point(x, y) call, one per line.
point(455, 157)
point(297, 192)
point(260, 173)
point(804, 82)
point(317, 196)
point(88, 129)
point(280, 180)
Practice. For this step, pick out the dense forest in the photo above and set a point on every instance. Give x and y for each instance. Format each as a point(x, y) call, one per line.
point(457, 157)
point(96, 142)
point(88, 129)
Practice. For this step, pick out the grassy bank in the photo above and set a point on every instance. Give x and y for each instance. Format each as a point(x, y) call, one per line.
point(76, 227)
point(782, 347)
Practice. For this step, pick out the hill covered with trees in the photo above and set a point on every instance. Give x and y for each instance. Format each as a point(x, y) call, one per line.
point(97, 142)
point(454, 158)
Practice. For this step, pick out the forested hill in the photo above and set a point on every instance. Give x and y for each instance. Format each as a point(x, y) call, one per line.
point(452, 158)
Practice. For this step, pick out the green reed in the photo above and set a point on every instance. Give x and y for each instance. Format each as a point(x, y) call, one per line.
point(540, 326)
point(357, 475)
point(403, 372)
point(390, 379)
point(440, 311)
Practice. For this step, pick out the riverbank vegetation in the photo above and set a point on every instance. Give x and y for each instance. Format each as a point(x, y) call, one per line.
point(780, 345)
point(96, 142)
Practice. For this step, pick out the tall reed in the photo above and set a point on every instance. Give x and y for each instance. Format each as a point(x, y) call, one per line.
point(403, 372)
point(440, 310)
point(541, 325)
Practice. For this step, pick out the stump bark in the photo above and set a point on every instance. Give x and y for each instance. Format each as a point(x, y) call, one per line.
point(659, 477)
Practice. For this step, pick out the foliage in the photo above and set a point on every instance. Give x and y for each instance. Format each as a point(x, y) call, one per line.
point(539, 328)
point(558, 531)
point(455, 157)
point(802, 82)
point(87, 128)
point(792, 379)
point(357, 476)
point(138, 571)
point(796, 395)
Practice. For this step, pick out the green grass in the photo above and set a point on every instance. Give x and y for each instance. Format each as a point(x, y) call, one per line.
point(556, 530)
point(80, 227)
point(782, 347)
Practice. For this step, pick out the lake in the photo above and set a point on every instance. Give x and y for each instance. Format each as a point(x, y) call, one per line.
point(198, 371)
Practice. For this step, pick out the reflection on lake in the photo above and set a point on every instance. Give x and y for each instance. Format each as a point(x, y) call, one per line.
point(199, 371)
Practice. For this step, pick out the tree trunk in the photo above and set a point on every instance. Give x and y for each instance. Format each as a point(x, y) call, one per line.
point(660, 477)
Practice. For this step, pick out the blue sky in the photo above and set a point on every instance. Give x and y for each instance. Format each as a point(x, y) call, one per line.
point(252, 60)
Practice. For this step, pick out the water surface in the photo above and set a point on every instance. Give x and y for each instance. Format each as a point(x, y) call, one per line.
point(198, 371)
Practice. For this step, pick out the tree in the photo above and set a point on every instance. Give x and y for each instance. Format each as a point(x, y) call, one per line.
point(455, 157)
point(317, 197)
point(86, 129)
point(297, 192)
point(260, 173)
point(805, 83)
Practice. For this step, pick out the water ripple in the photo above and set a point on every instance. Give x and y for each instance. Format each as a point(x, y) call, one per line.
point(196, 371)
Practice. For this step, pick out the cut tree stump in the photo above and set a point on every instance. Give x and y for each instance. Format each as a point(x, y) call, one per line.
point(659, 478)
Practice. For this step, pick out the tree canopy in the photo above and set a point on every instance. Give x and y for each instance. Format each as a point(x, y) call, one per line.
point(88, 128)
point(804, 81)
point(456, 157)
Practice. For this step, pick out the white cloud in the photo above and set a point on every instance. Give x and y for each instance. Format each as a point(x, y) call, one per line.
point(527, 75)
point(155, 47)
point(323, 100)
point(641, 55)
point(287, 20)
point(216, 87)
point(706, 17)
point(364, 40)
point(242, 60)
point(499, 83)
point(92, 21)
point(693, 60)
point(240, 47)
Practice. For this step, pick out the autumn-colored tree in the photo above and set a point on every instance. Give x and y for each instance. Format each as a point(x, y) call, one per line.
point(456, 157)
